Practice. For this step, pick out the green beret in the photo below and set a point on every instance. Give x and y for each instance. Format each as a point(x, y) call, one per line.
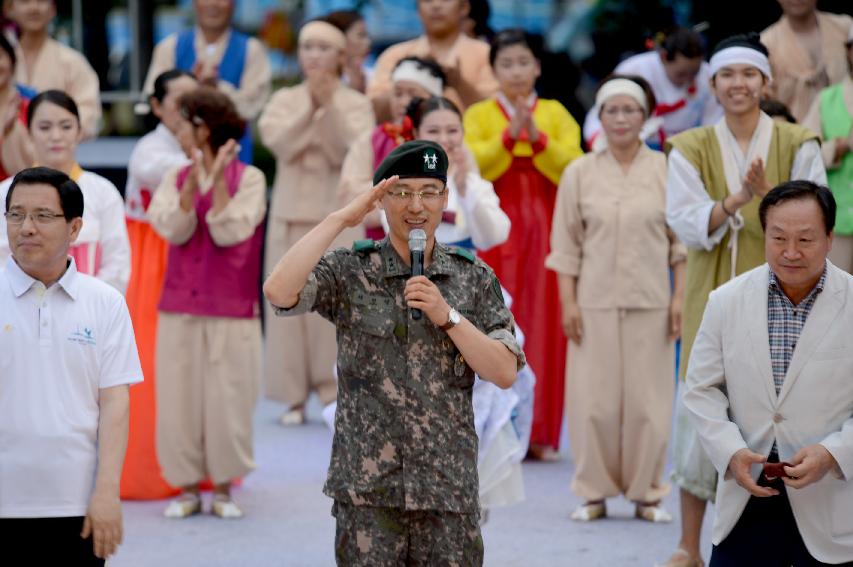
point(418, 158)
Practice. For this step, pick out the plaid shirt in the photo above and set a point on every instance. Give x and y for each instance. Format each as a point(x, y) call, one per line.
point(785, 323)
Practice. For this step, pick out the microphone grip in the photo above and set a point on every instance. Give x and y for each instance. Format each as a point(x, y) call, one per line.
point(417, 270)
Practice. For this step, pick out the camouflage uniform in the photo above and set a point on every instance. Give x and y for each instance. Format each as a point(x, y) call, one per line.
point(403, 472)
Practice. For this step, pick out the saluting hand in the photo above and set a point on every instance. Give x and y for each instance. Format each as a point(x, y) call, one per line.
point(354, 212)
point(421, 293)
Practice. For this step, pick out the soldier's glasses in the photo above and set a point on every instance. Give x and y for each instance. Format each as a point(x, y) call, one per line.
point(39, 217)
point(431, 196)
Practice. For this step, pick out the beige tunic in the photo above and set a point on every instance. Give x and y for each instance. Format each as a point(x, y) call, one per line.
point(60, 67)
point(610, 233)
point(310, 145)
point(208, 368)
point(255, 84)
point(469, 56)
point(797, 78)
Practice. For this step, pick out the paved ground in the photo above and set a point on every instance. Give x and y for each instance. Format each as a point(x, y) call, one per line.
point(288, 521)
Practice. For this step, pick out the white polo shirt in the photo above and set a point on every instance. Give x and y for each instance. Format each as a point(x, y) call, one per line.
point(58, 347)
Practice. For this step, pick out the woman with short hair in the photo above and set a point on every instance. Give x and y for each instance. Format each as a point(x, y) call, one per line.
point(209, 333)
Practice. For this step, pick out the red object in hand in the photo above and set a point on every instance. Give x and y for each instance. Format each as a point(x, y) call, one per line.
point(776, 470)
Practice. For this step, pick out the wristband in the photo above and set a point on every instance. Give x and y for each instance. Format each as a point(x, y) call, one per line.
point(723, 206)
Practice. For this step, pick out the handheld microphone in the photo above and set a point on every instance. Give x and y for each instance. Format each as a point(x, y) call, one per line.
point(417, 245)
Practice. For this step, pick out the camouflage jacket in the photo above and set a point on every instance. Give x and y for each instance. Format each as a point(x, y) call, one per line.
point(404, 427)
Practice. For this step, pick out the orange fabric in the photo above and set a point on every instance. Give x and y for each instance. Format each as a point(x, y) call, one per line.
point(528, 199)
point(141, 479)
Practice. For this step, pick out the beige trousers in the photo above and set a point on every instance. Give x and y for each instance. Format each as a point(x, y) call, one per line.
point(619, 391)
point(842, 252)
point(301, 351)
point(208, 377)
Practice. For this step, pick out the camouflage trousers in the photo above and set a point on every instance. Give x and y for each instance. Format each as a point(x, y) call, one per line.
point(392, 537)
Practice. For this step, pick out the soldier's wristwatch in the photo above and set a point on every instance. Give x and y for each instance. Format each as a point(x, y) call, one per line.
point(453, 319)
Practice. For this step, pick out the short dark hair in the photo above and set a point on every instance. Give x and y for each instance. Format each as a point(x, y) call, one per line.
point(213, 108)
point(651, 101)
point(515, 36)
point(420, 107)
point(773, 108)
point(53, 96)
point(802, 190)
point(751, 40)
point(426, 63)
point(70, 195)
point(343, 19)
point(161, 83)
point(685, 41)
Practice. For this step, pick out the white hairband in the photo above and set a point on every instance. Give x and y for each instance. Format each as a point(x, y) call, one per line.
point(625, 87)
point(323, 31)
point(740, 55)
point(413, 71)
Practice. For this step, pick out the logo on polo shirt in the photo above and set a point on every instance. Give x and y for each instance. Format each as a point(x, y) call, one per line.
point(83, 336)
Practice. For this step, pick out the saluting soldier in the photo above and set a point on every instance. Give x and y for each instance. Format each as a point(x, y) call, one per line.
point(403, 472)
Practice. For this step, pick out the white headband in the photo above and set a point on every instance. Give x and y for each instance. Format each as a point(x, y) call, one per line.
point(625, 87)
point(323, 31)
point(412, 71)
point(743, 56)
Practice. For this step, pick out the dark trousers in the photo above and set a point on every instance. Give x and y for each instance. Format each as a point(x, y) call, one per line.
point(766, 534)
point(47, 541)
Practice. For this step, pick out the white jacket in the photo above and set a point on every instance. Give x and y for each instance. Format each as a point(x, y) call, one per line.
point(732, 400)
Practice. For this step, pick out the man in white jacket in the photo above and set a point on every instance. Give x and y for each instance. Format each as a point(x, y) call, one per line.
point(770, 392)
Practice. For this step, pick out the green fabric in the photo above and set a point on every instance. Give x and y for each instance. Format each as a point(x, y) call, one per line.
point(463, 253)
point(706, 270)
point(836, 122)
point(365, 245)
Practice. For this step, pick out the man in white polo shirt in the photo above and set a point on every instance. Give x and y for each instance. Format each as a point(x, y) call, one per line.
point(67, 356)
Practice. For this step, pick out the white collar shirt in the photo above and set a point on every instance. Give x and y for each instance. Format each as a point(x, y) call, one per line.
point(59, 346)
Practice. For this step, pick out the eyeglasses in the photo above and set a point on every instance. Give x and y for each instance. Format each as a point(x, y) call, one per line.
point(613, 111)
point(41, 218)
point(431, 196)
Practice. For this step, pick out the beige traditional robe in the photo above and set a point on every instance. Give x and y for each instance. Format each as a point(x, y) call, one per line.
point(797, 79)
point(610, 233)
point(60, 67)
point(469, 56)
point(255, 84)
point(310, 144)
point(208, 368)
